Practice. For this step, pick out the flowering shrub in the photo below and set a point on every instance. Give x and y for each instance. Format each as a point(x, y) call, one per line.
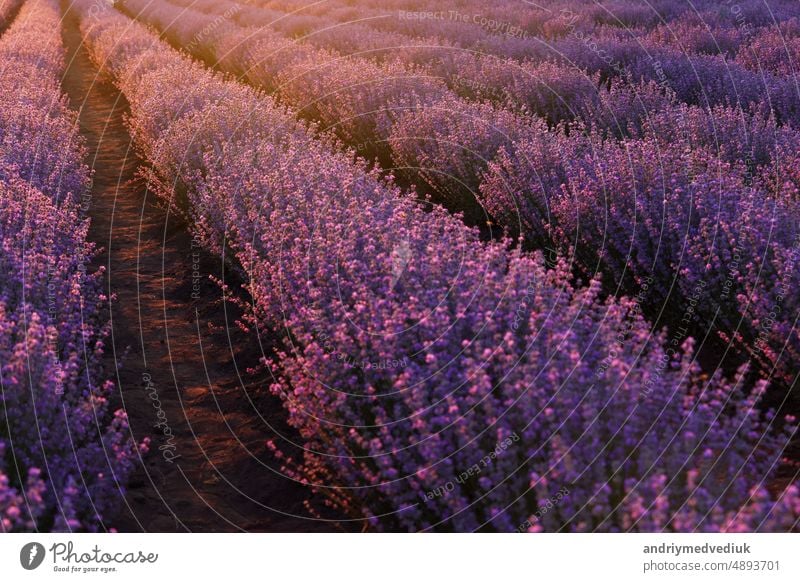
point(395, 112)
point(351, 97)
point(19, 509)
point(38, 138)
point(64, 456)
point(440, 382)
point(665, 206)
point(449, 143)
point(548, 90)
point(694, 35)
point(774, 50)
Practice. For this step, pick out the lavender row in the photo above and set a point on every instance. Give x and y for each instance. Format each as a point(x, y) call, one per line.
point(440, 382)
point(352, 97)
point(554, 92)
point(382, 111)
point(687, 53)
point(447, 143)
point(745, 251)
point(681, 57)
point(508, 29)
point(704, 205)
point(475, 28)
point(362, 103)
point(565, 91)
point(64, 455)
point(436, 138)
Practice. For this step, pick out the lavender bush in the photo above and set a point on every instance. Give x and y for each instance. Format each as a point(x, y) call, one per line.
point(440, 382)
point(665, 206)
point(64, 455)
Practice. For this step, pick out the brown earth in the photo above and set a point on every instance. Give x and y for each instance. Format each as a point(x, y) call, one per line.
point(172, 343)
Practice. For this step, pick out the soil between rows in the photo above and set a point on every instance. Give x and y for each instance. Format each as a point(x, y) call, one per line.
point(178, 360)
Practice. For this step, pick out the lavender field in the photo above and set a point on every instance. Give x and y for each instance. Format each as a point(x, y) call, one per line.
point(400, 266)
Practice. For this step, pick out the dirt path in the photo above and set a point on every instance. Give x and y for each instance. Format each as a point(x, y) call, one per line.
point(208, 468)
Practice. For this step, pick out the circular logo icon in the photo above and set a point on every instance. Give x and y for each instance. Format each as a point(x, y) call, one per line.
point(31, 555)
